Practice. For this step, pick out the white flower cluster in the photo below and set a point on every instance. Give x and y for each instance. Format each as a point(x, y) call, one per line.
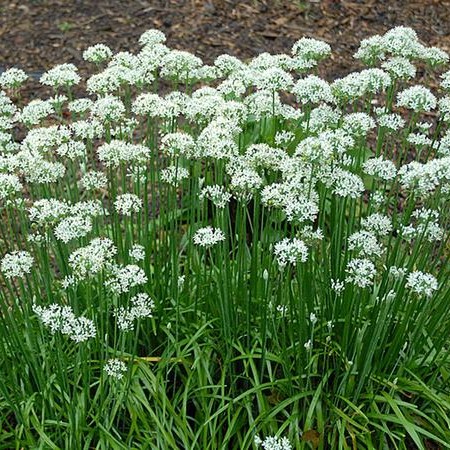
point(273, 443)
point(137, 252)
point(141, 307)
point(217, 194)
point(208, 236)
point(12, 78)
point(91, 260)
point(417, 98)
point(97, 53)
point(10, 185)
point(64, 75)
point(16, 264)
point(62, 319)
point(360, 272)
point(122, 279)
point(399, 42)
point(423, 284)
point(115, 368)
point(73, 227)
point(290, 251)
point(119, 152)
point(174, 175)
point(127, 204)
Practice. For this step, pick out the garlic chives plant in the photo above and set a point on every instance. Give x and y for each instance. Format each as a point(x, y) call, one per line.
point(199, 268)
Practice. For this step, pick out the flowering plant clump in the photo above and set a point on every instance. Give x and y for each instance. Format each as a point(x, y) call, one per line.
point(194, 255)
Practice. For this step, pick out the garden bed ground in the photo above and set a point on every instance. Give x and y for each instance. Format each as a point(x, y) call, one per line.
point(37, 34)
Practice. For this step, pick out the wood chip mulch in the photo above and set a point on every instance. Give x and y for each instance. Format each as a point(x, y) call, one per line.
point(38, 34)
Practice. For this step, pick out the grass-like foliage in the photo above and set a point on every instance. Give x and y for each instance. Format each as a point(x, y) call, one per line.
point(229, 256)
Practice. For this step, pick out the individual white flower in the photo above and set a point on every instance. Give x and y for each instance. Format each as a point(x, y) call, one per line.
point(323, 118)
point(444, 108)
point(87, 129)
point(375, 80)
point(422, 283)
point(314, 149)
point(106, 82)
point(418, 98)
point(299, 208)
point(115, 368)
point(127, 204)
point(7, 107)
point(264, 156)
point(360, 272)
point(216, 141)
point(434, 56)
point(208, 236)
point(73, 227)
point(419, 140)
point(148, 104)
point(290, 251)
point(445, 83)
point(124, 319)
point(137, 252)
point(244, 180)
point(349, 88)
point(425, 178)
point(16, 264)
point(426, 226)
point(12, 78)
point(283, 138)
point(142, 306)
point(63, 75)
point(227, 64)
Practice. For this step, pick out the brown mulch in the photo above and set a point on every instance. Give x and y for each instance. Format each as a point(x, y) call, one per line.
point(38, 34)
